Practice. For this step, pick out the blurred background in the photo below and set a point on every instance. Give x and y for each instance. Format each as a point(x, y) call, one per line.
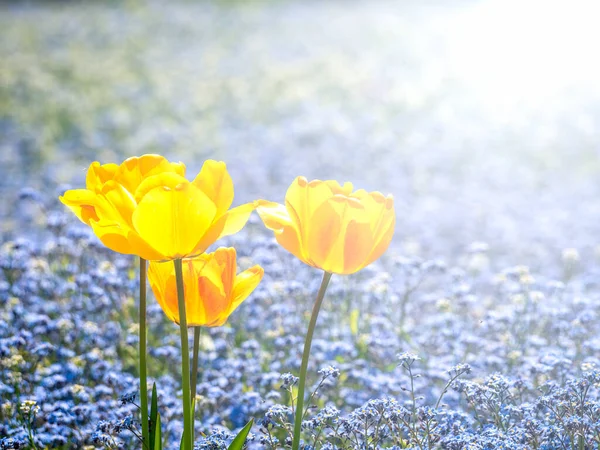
point(480, 117)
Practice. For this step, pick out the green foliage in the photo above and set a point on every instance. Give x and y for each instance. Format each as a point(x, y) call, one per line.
point(239, 441)
point(155, 428)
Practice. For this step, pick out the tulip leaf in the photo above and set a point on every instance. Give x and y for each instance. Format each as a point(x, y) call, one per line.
point(158, 435)
point(155, 435)
point(239, 441)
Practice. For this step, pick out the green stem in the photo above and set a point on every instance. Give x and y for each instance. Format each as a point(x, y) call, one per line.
point(143, 351)
point(185, 358)
point(299, 413)
point(195, 351)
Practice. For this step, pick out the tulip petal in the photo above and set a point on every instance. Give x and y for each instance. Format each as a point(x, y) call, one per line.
point(245, 283)
point(81, 202)
point(225, 257)
point(116, 205)
point(302, 199)
point(276, 217)
point(214, 180)
point(98, 174)
point(229, 223)
point(358, 244)
point(213, 300)
point(171, 219)
point(161, 276)
point(167, 179)
point(236, 218)
point(323, 235)
point(335, 187)
point(134, 170)
point(383, 241)
point(124, 240)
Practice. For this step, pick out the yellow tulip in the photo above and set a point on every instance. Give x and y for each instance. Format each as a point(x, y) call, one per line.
point(147, 207)
point(329, 227)
point(212, 288)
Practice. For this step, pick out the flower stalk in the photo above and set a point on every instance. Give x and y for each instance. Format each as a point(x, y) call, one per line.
point(195, 352)
point(185, 359)
point(143, 351)
point(299, 413)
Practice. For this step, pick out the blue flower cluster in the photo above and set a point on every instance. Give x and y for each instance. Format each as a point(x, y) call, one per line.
point(409, 353)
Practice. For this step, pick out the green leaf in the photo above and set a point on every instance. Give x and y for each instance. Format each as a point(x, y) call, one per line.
point(240, 439)
point(158, 435)
point(155, 434)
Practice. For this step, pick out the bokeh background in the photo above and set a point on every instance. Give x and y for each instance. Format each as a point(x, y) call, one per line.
point(481, 117)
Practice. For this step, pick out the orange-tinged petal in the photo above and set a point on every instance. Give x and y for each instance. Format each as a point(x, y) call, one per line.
point(98, 174)
point(358, 244)
point(225, 257)
point(161, 276)
point(214, 180)
point(206, 266)
point(135, 169)
point(171, 219)
point(323, 234)
point(328, 226)
point(383, 241)
point(245, 283)
point(212, 289)
point(212, 292)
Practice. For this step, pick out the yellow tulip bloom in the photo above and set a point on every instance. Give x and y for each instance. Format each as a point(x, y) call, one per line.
point(212, 288)
point(329, 227)
point(147, 207)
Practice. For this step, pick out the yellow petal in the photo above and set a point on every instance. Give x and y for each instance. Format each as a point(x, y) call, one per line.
point(276, 217)
point(335, 187)
point(81, 202)
point(302, 199)
point(236, 218)
point(214, 180)
point(245, 283)
point(98, 174)
point(117, 204)
point(171, 219)
point(168, 179)
point(229, 223)
point(134, 170)
point(114, 236)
